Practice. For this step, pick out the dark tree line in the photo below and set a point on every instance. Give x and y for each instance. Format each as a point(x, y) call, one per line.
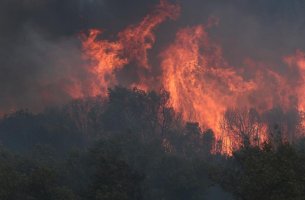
point(133, 146)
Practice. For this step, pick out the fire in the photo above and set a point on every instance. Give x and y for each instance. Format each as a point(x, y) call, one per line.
point(131, 46)
point(137, 40)
point(297, 62)
point(105, 57)
point(201, 83)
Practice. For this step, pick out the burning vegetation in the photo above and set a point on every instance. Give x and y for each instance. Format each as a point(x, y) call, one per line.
point(168, 107)
point(203, 86)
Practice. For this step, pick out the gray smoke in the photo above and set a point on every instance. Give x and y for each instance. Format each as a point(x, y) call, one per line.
point(40, 49)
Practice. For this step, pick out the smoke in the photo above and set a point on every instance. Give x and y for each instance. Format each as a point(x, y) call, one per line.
point(37, 72)
point(40, 54)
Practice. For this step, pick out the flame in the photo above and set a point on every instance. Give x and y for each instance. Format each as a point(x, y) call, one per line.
point(137, 40)
point(131, 46)
point(203, 86)
point(105, 57)
point(297, 62)
point(201, 83)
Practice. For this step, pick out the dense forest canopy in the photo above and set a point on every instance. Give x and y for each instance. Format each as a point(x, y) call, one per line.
point(152, 100)
point(133, 146)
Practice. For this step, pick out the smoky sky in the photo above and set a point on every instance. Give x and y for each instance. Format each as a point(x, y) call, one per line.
point(40, 48)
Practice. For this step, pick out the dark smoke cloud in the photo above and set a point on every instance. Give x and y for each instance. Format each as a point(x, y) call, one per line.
point(40, 48)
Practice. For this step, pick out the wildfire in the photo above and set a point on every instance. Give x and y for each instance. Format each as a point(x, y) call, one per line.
point(201, 83)
point(131, 46)
point(297, 62)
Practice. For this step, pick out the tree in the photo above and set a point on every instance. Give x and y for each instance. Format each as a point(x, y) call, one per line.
point(111, 179)
point(283, 126)
point(177, 178)
point(242, 126)
point(209, 140)
point(266, 174)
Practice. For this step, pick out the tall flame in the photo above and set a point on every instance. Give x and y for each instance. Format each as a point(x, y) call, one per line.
point(201, 83)
point(297, 62)
point(131, 46)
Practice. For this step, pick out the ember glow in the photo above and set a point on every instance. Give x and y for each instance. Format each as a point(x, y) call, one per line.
point(132, 45)
point(201, 82)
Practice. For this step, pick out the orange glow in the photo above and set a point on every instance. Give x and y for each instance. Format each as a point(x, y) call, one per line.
point(298, 61)
point(131, 46)
point(137, 40)
point(201, 83)
point(105, 57)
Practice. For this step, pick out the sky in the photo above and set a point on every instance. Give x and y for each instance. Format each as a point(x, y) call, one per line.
point(40, 49)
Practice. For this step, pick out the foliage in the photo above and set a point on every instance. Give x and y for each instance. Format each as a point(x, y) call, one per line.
point(266, 173)
point(133, 146)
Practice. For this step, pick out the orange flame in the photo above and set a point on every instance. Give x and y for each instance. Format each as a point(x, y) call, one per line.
point(132, 46)
point(298, 61)
point(201, 83)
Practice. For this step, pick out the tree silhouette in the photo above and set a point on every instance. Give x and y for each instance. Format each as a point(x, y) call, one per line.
point(243, 127)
